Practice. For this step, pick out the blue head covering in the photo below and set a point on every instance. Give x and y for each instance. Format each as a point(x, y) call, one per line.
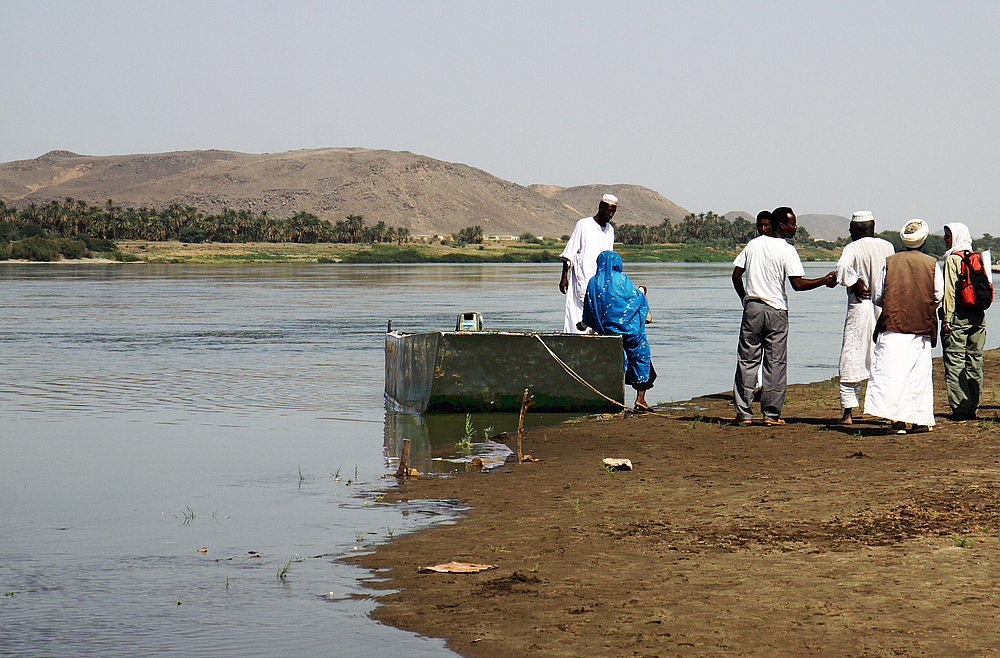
point(613, 305)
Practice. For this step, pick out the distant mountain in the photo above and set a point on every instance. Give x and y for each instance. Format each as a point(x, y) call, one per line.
point(820, 227)
point(636, 204)
point(402, 189)
point(732, 215)
point(825, 227)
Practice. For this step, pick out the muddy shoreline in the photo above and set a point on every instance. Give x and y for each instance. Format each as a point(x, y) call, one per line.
point(809, 539)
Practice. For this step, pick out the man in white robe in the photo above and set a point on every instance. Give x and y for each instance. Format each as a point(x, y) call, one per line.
point(861, 261)
point(908, 290)
point(590, 237)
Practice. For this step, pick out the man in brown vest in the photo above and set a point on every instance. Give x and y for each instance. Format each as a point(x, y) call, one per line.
point(908, 290)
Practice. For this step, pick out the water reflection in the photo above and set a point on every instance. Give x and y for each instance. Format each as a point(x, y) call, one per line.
point(436, 440)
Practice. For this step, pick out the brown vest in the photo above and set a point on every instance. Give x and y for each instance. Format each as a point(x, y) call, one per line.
point(908, 303)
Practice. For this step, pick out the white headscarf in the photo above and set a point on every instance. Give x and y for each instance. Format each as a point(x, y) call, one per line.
point(961, 239)
point(610, 199)
point(914, 233)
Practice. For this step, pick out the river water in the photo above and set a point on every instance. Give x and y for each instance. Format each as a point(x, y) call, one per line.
point(147, 412)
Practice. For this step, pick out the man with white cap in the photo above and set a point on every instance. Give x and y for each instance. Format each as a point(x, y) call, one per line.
point(908, 290)
point(861, 261)
point(590, 237)
point(963, 331)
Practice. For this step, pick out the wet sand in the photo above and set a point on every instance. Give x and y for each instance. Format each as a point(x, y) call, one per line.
point(810, 539)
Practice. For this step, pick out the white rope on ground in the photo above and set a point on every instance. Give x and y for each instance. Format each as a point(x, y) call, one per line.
point(583, 381)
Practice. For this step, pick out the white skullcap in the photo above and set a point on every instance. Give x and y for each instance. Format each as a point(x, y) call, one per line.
point(863, 216)
point(914, 233)
point(610, 199)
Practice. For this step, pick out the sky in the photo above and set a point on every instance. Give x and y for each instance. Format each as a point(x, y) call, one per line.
point(828, 107)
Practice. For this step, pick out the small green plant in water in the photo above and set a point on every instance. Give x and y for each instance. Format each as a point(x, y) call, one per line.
point(360, 537)
point(189, 515)
point(336, 476)
point(465, 443)
point(389, 528)
point(283, 571)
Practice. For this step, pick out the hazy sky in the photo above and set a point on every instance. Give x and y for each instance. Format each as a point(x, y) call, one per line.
point(828, 107)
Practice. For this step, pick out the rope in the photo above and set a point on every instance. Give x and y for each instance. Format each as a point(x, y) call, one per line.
point(583, 381)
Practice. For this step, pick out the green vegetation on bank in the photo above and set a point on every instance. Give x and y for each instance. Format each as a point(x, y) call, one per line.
point(74, 229)
point(187, 224)
point(414, 254)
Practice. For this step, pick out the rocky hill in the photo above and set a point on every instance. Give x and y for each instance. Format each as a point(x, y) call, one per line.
point(820, 227)
point(636, 204)
point(402, 189)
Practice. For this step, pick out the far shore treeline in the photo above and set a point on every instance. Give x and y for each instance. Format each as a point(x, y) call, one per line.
point(75, 229)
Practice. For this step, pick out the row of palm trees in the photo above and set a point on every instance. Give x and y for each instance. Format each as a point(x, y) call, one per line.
point(112, 222)
point(703, 228)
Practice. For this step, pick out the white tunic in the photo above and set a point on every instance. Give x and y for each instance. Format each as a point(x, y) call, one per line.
point(862, 259)
point(588, 240)
point(901, 386)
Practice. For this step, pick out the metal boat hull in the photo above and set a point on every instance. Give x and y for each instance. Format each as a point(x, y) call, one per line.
point(477, 371)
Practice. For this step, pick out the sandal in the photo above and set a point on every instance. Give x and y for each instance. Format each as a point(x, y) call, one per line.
point(641, 409)
point(742, 422)
point(773, 422)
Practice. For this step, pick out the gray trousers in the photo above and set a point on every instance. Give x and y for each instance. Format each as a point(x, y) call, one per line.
point(763, 329)
point(963, 364)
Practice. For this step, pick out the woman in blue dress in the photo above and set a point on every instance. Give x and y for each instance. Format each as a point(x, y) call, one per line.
point(613, 305)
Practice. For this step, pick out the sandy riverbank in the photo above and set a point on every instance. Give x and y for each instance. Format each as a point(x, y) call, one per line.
point(811, 539)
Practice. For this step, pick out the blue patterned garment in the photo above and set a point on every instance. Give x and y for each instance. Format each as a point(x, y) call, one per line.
point(613, 305)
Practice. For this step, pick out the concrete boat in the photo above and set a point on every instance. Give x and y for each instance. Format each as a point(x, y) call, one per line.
point(477, 371)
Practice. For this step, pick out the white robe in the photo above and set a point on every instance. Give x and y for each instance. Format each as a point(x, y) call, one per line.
point(901, 387)
point(588, 240)
point(862, 259)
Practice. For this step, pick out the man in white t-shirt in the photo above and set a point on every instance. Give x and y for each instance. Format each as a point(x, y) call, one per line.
point(590, 237)
point(759, 275)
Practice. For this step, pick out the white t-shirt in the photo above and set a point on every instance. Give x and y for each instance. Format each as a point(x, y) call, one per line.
point(767, 262)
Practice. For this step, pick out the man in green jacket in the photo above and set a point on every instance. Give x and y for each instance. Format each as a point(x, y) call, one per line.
point(963, 331)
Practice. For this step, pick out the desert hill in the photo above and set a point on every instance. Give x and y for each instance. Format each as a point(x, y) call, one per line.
point(636, 204)
point(402, 189)
point(820, 227)
point(827, 227)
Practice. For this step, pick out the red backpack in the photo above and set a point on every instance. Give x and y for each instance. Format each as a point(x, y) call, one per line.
point(974, 289)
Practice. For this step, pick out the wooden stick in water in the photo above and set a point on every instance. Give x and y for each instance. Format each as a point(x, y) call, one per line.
point(404, 459)
point(525, 403)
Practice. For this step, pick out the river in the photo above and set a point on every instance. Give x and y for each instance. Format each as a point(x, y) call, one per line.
point(147, 412)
